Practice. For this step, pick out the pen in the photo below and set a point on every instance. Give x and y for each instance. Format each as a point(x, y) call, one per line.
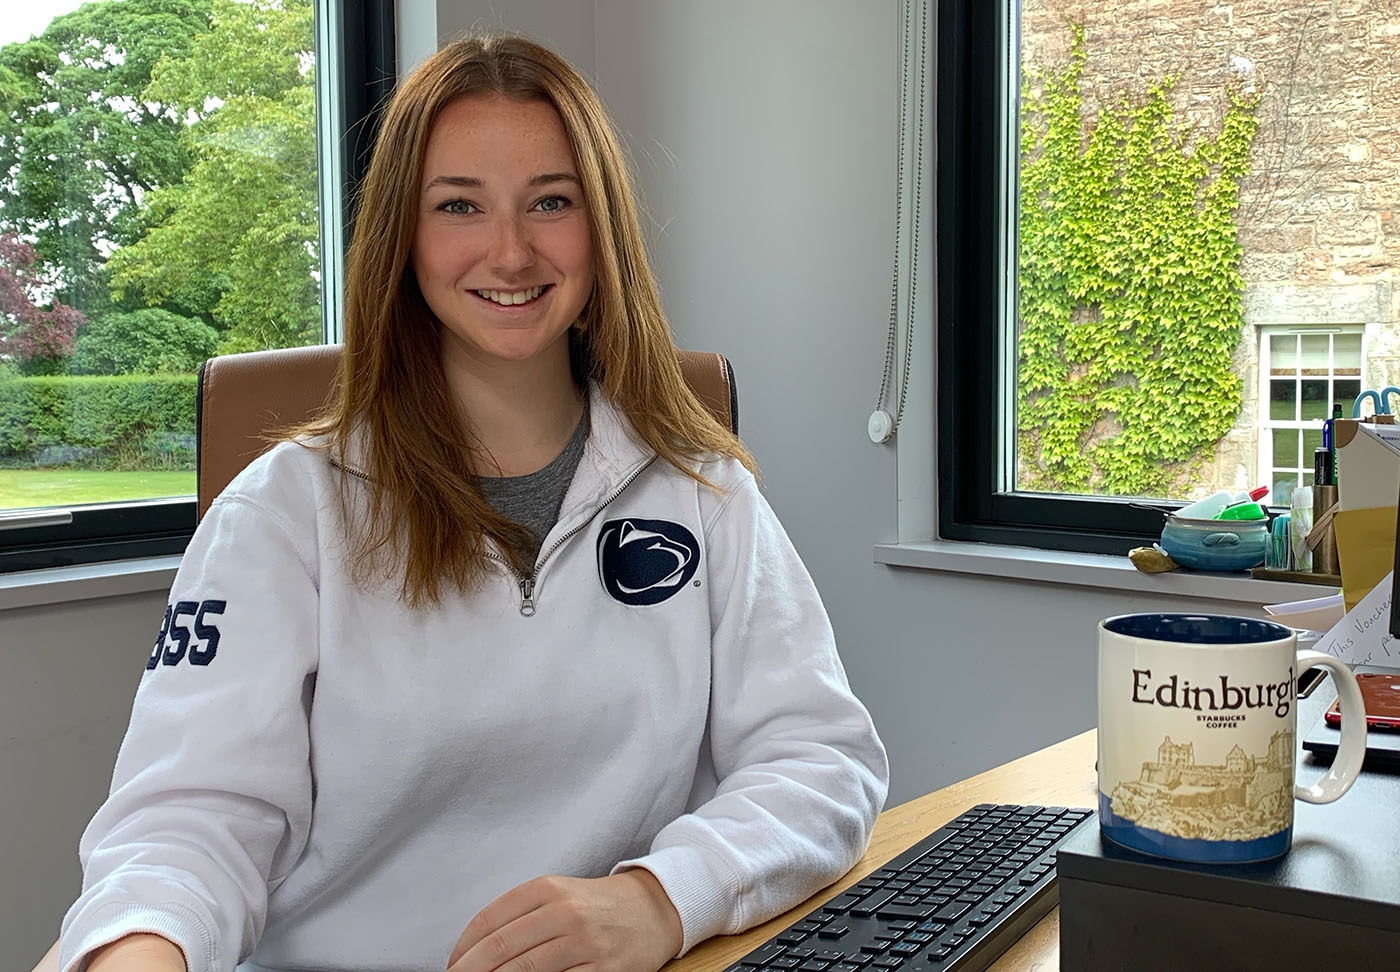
point(1329, 441)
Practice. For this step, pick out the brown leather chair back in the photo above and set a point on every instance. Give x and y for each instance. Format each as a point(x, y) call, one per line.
point(243, 397)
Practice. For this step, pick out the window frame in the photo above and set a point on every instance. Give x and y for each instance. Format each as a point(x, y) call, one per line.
point(975, 240)
point(1266, 424)
point(362, 65)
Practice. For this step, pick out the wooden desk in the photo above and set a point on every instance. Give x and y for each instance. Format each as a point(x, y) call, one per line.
point(1059, 775)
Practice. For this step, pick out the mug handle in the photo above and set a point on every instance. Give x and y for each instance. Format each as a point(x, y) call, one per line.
point(1352, 750)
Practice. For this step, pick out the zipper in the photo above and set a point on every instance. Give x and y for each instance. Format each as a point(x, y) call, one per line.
point(527, 583)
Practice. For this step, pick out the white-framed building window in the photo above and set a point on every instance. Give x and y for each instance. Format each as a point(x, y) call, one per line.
point(1303, 372)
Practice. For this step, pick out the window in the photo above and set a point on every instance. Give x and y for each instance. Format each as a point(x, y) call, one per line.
point(173, 178)
point(1305, 373)
point(1140, 210)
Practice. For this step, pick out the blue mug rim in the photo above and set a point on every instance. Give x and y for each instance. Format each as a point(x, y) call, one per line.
point(1197, 629)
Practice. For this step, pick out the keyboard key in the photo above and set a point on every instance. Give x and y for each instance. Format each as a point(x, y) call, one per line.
point(791, 938)
point(951, 911)
point(906, 949)
point(912, 913)
point(887, 962)
point(872, 903)
point(833, 931)
point(762, 954)
point(812, 965)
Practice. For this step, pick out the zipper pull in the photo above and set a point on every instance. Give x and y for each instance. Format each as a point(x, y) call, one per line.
point(527, 596)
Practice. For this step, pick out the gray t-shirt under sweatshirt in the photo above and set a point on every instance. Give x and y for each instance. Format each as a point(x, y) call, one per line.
point(533, 501)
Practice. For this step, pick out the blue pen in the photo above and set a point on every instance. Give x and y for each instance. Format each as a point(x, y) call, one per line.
point(1328, 442)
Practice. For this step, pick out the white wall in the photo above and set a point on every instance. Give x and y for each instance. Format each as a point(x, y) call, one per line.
point(764, 136)
point(68, 678)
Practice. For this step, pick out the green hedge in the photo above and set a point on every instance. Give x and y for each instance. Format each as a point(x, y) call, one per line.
point(98, 422)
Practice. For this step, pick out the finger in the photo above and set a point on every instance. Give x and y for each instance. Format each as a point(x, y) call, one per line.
point(516, 903)
point(553, 954)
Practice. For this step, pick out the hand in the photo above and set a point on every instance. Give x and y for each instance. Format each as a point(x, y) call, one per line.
point(620, 923)
point(140, 953)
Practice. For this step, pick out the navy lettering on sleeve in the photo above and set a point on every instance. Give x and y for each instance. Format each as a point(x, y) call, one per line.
point(208, 635)
point(175, 641)
point(159, 648)
point(180, 633)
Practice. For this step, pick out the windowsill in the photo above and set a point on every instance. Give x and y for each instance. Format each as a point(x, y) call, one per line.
point(33, 588)
point(1088, 570)
point(62, 585)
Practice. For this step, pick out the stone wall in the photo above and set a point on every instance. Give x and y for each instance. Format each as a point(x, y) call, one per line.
point(1319, 215)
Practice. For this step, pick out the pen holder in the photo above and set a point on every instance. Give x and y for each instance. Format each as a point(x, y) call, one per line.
point(1215, 544)
point(1324, 547)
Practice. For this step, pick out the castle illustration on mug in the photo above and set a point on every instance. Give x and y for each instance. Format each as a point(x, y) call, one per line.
point(1245, 798)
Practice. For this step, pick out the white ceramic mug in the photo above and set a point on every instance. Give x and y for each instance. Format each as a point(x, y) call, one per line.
point(1197, 722)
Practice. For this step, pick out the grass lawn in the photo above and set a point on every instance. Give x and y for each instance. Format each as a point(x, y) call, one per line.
point(66, 487)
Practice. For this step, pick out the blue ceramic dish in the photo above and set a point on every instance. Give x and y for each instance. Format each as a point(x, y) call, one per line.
point(1215, 544)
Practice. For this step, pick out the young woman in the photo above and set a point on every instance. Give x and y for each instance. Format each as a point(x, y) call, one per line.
point(506, 663)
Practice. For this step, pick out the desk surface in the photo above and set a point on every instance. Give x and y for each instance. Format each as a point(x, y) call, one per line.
point(1059, 775)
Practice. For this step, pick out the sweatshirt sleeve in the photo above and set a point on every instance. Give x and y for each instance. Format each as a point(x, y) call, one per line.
point(802, 773)
point(211, 796)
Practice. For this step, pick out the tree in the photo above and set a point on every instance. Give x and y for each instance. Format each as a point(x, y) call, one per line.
point(32, 337)
point(239, 233)
point(146, 341)
point(80, 145)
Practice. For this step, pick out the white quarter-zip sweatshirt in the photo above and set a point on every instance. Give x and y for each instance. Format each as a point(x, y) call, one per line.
point(317, 777)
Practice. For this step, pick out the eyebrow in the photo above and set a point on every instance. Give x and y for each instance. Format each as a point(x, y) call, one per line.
point(471, 182)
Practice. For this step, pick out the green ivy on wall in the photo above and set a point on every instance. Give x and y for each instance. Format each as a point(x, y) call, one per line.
point(1130, 292)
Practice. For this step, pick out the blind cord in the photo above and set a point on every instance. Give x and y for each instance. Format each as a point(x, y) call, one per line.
point(882, 425)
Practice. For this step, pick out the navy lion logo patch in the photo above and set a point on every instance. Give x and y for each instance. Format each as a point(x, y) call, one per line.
point(645, 561)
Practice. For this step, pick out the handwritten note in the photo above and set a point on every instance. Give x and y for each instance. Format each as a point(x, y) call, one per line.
point(1363, 635)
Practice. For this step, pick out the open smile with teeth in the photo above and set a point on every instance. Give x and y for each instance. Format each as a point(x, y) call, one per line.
point(510, 298)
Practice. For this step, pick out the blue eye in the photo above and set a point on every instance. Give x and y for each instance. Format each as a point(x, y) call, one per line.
point(459, 207)
point(552, 204)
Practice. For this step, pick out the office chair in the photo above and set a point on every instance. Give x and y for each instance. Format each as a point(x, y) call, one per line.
point(242, 397)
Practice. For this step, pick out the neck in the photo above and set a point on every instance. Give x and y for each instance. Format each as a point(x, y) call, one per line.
point(522, 412)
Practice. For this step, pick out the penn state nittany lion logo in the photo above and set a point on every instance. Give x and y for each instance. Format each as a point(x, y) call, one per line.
point(645, 561)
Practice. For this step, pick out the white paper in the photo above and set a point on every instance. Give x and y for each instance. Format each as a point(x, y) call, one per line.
point(1363, 637)
point(1389, 434)
point(1314, 614)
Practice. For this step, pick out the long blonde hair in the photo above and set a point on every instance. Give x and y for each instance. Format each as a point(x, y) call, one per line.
point(427, 520)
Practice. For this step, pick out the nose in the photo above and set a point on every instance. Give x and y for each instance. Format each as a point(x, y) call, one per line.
point(511, 247)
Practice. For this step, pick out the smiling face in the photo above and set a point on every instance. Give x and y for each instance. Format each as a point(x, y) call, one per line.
point(502, 250)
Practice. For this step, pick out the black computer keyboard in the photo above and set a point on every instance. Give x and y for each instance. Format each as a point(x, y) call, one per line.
point(955, 900)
